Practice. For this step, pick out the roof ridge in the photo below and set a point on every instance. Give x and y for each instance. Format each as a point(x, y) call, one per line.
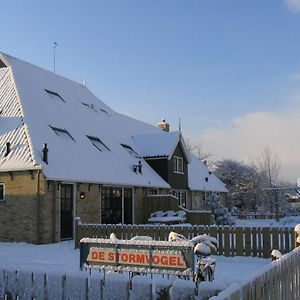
point(41, 68)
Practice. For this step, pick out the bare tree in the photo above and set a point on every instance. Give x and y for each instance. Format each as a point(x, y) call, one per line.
point(197, 150)
point(269, 164)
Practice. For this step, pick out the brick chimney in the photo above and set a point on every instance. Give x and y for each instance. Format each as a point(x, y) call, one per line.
point(164, 125)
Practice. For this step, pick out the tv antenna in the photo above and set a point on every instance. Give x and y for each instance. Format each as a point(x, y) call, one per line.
point(54, 52)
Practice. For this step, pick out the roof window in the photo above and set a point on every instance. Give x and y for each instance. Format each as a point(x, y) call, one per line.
point(104, 111)
point(62, 133)
point(98, 143)
point(54, 95)
point(90, 106)
point(130, 151)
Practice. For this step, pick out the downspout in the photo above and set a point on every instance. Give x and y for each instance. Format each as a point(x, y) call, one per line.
point(54, 212)
point(123, 205)
point(38, 199)
point(133, 204)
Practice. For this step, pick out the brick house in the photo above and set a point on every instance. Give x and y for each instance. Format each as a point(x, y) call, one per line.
point(64, 153)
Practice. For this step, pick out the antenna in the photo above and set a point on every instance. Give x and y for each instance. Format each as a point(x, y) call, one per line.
point(54, 52)
point(179, 124)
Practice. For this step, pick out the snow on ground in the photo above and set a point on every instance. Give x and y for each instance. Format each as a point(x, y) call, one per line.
point(62, 257)
point(59, 257)
point(291, 221)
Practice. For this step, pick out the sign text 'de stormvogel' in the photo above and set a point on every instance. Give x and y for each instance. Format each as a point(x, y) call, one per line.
point(137, 258)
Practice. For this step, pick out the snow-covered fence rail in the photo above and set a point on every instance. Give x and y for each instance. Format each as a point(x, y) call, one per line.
point(279, 280)
point(233, 241)
point(27, 285)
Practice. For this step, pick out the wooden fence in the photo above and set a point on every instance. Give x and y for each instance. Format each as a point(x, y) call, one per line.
point(233, 241)
point(27, 285)
point(279, 281)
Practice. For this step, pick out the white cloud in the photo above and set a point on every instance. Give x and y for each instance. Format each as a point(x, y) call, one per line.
point(251, 133)
point(293, 5)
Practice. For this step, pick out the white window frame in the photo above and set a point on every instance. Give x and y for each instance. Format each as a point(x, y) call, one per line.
point(3, 188)
point(177, 162)
point(181, 199)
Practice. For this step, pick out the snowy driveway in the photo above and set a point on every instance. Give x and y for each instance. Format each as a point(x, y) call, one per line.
point(61, 257)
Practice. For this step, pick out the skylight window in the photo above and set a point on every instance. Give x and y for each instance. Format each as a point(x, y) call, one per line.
point(54, 95)
point(90, 106)
point(104, 111)
point(98, 143)
point(62, 133)
point(130, 151)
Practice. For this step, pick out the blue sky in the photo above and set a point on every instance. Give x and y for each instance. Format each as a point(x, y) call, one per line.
point(218, 65)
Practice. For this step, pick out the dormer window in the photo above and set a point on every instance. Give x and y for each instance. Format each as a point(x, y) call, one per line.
point(54, 95)
point(177, 164)
point(62, 133)
point(98, 143)
point(130, 151)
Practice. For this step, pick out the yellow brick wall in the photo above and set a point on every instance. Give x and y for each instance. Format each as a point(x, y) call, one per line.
point(50, 221)
point(88, 209)
point(18, 212)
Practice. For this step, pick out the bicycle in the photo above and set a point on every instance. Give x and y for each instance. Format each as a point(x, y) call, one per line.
point(205, 268)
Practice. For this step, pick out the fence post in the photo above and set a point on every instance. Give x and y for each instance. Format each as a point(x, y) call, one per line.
point(297, 235)
point(266, 242)
point(76, 237)
point(239, 238)
point(248, 248)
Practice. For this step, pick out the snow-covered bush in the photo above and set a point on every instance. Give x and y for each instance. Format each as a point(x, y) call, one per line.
point(221, 214)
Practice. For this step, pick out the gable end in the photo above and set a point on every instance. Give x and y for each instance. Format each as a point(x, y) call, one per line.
point(2, 64)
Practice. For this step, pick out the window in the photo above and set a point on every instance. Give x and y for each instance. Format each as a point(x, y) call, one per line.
point(177, 164)
point(63, 133)
point(90, 106)
point(98, 143)
point(153, 192)
point(104, 111)
point(1, 191)
point(130, 151)
point(181, 196)
point(54, 95)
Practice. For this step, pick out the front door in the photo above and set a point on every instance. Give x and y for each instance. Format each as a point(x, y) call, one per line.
point(66, 211)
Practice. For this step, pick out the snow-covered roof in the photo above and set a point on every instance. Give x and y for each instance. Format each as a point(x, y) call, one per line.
point(162, 144)
point(38, 106)
point(202, 179)
point(87, 140)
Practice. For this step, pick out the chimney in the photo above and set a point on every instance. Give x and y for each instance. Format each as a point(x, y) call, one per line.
point(164, 125)
point(206, 179)
point(45, 153)
point(7, 149)
point(140, 167)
